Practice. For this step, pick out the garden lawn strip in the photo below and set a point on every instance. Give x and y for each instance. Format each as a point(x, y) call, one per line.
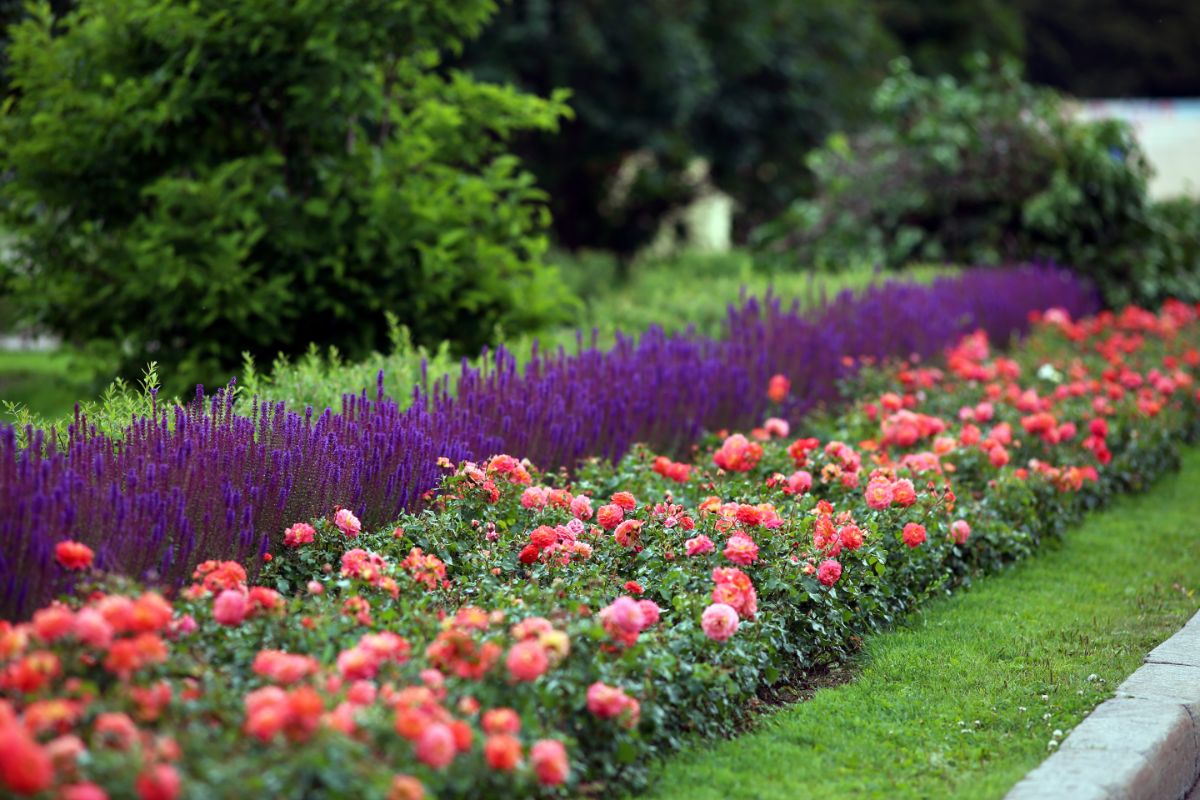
point(966, 698)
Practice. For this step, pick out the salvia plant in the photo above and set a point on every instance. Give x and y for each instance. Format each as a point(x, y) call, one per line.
point(221, 478)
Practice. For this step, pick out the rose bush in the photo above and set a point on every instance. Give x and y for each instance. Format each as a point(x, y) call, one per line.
point(544, 634)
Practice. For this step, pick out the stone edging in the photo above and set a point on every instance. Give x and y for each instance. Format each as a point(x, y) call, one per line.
point(1143, 743)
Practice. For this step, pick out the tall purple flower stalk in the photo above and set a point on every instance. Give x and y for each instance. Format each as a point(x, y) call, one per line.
point(209, 481)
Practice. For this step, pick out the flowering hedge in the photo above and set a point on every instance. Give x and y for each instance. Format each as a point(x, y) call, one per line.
point(210, 482)
point(534, 634)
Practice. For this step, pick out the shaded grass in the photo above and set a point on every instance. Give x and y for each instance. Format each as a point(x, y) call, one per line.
point(965, 699)
point(47, 383)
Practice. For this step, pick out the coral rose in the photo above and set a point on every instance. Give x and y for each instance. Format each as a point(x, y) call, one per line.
point(527, 661)
point(230, 608)
point(299, 534)
point(610, 516)
point(436, 746)
point(347, 523)
point(73, 555)
point(914, 534)
point(503, 752)
point(25, 767)
point(778, 388)
point(406, 787)
point(829, 572)
point(719, 622)
point(741, 550)
point(158, 782)
point(549, 760)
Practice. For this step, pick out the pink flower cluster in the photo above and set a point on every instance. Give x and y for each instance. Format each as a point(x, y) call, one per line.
point(735, 589)
point(625, 618)
point(609, 702)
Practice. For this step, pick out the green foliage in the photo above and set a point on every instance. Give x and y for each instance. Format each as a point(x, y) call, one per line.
point(659, 292)
point(1169, 265)
point(320, 379)
point(109, 413)
point(747, 86)
point(189, 181)
point(988, 170)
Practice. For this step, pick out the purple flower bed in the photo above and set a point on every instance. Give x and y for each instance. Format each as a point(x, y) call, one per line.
point(208, 483)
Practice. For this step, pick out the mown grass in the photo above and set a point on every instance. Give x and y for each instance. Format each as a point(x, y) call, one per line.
point(47, 383)
point(965, 699)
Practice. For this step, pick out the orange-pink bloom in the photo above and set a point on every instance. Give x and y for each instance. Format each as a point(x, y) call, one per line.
point(73, 555)
point(719, 621)
point(549, 760)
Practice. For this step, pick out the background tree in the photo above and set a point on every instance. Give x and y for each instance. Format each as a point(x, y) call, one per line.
point(749, 87)
point(940, 38)
point(185, 181)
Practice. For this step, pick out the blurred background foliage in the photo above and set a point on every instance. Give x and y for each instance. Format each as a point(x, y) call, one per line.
point(748, 87)
point(988, 169)
point(321, 188)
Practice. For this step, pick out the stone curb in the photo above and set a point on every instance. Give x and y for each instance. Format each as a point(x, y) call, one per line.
point(1143, 743)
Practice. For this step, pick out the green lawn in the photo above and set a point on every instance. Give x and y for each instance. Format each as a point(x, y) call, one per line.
point(48, 383)
point(966, 699)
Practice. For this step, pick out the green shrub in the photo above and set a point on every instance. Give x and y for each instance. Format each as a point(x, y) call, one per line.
point(187, 181)
point(320, 379)
point(990, 170)
point(1170, 264)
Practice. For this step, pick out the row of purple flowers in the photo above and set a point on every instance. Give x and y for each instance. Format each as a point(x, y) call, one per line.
point(219, 479)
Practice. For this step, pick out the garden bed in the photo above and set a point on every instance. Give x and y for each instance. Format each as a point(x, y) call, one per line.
point(529, 634)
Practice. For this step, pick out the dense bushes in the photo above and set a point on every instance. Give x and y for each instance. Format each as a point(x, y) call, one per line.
point(188, 181)
point(1170, 262)
point(988, 170)
point(534, 635)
